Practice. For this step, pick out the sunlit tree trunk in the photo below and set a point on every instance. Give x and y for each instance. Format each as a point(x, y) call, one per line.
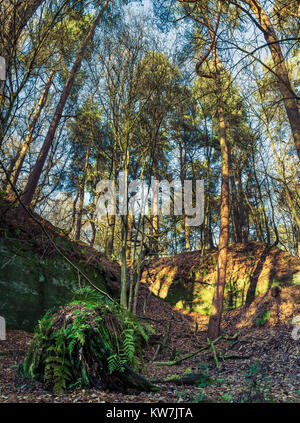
point(155, 209)
point(124, 230)
point(264, 23)
point(280, 69)
point(217, 303)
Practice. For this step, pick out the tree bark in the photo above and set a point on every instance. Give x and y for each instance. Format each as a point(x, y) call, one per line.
point(217, 303)
point(18, 163)
point(14, 16)
point(129, 237)
point(38, 167)
point(264, 23)
point(280, 69)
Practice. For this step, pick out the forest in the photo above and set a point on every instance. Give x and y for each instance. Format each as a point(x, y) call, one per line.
point(149, 201)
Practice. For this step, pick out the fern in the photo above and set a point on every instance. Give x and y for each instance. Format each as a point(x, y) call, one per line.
point(94, 337)
point(128, 346)
point(57, 366)
point(115, 363)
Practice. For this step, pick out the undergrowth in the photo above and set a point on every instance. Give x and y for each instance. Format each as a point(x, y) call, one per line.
point(83, 343)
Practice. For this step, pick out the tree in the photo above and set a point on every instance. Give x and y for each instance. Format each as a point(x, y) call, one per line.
point(262, 21)
point(156, 81)
point(37, 170)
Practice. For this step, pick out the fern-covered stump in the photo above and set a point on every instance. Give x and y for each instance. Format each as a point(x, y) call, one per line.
point(87, 345)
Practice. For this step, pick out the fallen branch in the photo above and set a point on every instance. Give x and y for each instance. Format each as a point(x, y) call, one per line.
point(192, 354)
point(214, 353)
point(233, 357)
point(187, 356)
point(190, 379)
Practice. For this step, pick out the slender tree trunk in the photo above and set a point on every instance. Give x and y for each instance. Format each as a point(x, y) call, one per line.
point(14, 16)
point(155, 206)
point(217, 303)
point(289, 198)
point(123, 295)
point(242, 205)
point(280, 69)
point(38, 167)
point(236, 211)
point(129, 237)
point(81, 193)
point(183, 165)
point(111, 236)
point(18, 163)
point(74, 212)
point(41, 186)
point(124, 232)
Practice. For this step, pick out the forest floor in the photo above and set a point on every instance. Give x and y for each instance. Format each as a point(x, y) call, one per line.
point(270, 348)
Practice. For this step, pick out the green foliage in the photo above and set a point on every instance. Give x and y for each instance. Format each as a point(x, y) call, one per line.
point(115, 363)
point(259, 388)
point(204, 380)
point(199, 398)
point(57, 368)
point(254, 370)
point(69, 341)
point(263, 318)
point(90, 295)
point(226, 397)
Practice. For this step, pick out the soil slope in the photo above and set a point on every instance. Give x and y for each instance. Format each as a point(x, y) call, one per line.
point(186, 281)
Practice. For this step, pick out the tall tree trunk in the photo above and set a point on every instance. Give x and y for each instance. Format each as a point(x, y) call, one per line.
point(14, 15)
point(280, 69)
point(236, 211)
point(18, 162)
point(73, 213)
point(289, 197)
point(129, 237)
point(183, 166)
point(38, 167)
point(124, 284)
point(264, 23)
point(155, 217)
point(241, 204)
point(111, 236)
point(124, 231)
point(40, 187)
point(217, 303)
point(81, 193)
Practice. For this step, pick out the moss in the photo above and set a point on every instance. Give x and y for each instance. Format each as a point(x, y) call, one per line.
point(31, 283)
